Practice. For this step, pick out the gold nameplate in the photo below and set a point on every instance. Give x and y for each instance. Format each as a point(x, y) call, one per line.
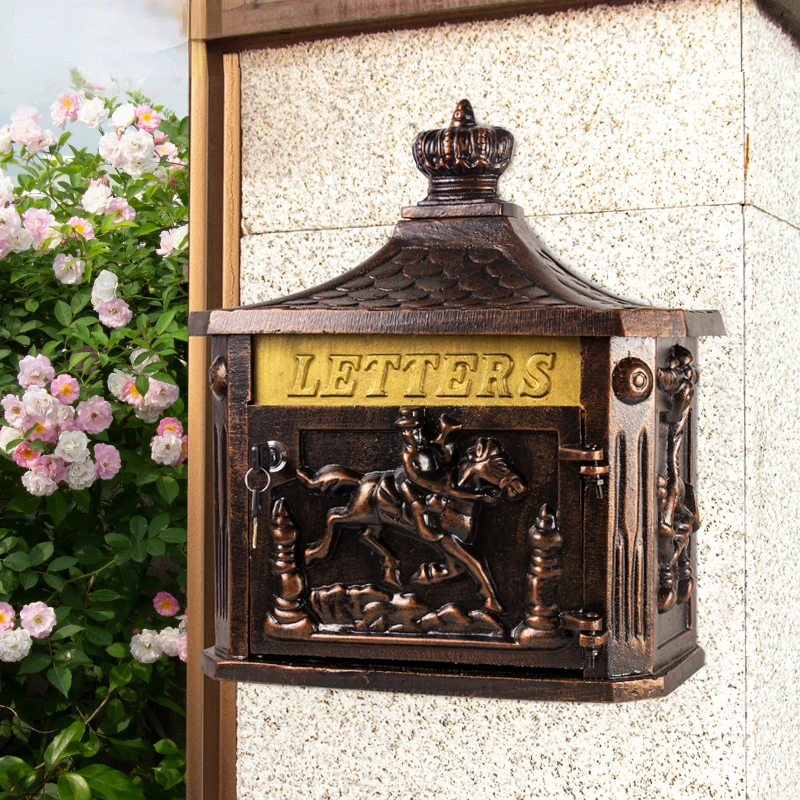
point(390, 370)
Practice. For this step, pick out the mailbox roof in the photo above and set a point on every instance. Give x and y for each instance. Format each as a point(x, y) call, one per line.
point(462, 261)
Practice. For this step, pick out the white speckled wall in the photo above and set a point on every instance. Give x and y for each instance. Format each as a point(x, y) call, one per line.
point(630, 125)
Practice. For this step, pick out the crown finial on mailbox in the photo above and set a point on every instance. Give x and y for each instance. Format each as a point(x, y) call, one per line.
point(464, 160)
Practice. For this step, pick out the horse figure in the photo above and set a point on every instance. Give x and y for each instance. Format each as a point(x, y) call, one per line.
point(444, 515)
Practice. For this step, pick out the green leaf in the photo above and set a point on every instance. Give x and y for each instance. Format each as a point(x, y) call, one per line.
point(166, 747)
point(14, 769)
point(120, 675)
point(28, 579)
point(159, 523)
point(53, 581)
point(139, 527)
point(167, 487)
point(66, 630)
point(117, 650)
point(57, 507)
point(104, 596)
point(99, 636)
point(63, 313)
point(17, 562)
point(40, 553)
point(62, 740)
point(110, 784)
point(167, 703)
point(62, 562)
point(156, 547)
point(31, 304)
point(61, 678)
point(79, 300)
point(72, 786)
point(142, 384)
point(34, 662)
point(164, 320)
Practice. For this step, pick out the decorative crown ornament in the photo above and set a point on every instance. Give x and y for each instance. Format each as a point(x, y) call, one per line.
point(464, 160)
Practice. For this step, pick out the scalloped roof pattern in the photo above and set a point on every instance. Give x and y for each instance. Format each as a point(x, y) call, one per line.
point(419, 277)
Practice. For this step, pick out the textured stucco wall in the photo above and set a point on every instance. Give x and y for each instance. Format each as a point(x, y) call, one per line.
point(630, 124)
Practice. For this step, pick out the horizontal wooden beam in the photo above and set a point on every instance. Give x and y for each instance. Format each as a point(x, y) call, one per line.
point(234, 19)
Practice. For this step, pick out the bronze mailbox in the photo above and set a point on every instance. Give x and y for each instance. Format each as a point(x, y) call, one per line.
point(458, 468)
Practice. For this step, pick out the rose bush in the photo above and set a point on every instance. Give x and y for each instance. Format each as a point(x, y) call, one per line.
point(93, 340)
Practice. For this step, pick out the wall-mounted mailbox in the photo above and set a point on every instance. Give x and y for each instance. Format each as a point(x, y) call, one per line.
point(458, 468)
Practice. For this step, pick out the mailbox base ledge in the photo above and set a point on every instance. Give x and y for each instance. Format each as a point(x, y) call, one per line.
point(511, 685)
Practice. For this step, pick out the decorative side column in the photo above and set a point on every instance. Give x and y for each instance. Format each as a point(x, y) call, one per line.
point(541, 619)
point(289, 618)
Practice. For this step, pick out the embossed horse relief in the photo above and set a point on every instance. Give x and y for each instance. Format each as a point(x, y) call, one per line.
point(433, 496)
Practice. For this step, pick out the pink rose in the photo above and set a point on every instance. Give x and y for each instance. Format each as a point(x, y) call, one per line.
point(14, 412)
point(182, 646)
point(65, 388)
point(51, 467)
point(147, 119)
point(35, 371)
point(114, 313)
point(82, 227)
point(38, 619)
point(160, 394)
point(121, 209)
point(43, 429)
point(159, 137)
point(130, 394)
point(65, 108)
point(94, 415)
point(170, 424)
point(6, 617)
point(166, 605)
point(37, 222)
point(107, 461)
point(167, 150)
point(25, 456)
point(184, 450)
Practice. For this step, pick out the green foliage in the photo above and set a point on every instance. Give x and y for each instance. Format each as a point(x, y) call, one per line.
point(79, 718)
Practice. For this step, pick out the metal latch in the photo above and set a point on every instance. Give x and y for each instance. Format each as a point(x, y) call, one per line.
point(588, 625)
point(594, 467)
point(264, 460)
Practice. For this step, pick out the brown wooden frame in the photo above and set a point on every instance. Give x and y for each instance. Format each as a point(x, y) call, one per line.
point(219, 31)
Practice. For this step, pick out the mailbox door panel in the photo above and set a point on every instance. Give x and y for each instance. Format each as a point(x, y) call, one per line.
point(422, 534)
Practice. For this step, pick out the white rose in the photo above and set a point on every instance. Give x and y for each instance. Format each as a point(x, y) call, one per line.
point(37, 484)
point(6, 142)
point(138, 363)
point(92, 112)
point(73, 446)
point(104, 288)
point(116, 380)
point(80, 475)
point(168, 639)
point(64, 413)
point(95, 198)
point(8, 434)
point(145, 646)
point(20, 240)
point(67, 269)
point(109, 149)
point(166, 449)
point(38, 402)
point(15, 644)
point(138, 166)
point(6, 190)
point(124, 115)
point(147, 413)
point(137, 144)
